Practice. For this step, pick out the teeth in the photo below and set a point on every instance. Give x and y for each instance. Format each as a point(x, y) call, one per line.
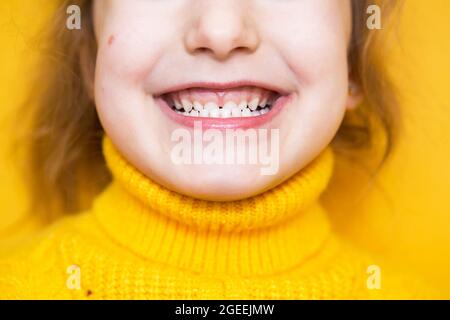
point(242, 105)
point(253, 105)
point(187, 105)
point(204, 113)
point(178, 105)
point(236, 112)
point(225, 113)
point(246, 112)
point(263, 102)
point(214, 113)
point(230, 105)
point(210, 111)
point(264, 111)
point(211, 106)
point(198, 106)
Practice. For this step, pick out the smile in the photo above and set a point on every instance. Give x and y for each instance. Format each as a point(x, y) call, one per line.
point(222, 107)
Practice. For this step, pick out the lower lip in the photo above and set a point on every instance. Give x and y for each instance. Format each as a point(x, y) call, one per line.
point(225, 123)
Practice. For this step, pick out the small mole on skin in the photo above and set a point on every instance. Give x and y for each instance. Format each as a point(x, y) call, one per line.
point(110, 40)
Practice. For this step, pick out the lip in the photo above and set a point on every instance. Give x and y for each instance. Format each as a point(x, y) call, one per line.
point(223, 123)
point(216, 86)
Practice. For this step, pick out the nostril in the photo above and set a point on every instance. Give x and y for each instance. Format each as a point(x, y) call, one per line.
point(223, 53)
point(203, 50)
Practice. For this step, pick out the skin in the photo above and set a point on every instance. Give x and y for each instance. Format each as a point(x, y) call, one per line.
point(147, 46)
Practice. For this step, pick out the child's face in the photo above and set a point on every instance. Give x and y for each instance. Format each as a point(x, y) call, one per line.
point(231, 59)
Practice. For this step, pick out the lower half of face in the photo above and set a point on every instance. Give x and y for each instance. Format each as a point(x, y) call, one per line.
point(221, 101)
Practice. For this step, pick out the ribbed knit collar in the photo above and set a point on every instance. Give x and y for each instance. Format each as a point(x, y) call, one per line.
point(275, 231)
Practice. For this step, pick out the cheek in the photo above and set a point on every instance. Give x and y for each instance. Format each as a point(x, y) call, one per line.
point(315, 54)
point(314, 46)
point(124, 56)
point(127, 52)
point(131, 37)
point(118, 92)
point(312, 37)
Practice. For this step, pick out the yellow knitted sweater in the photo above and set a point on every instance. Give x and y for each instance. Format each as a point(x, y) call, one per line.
point(142, 241)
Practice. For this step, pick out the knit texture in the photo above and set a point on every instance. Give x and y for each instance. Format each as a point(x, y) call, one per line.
point(142, 241)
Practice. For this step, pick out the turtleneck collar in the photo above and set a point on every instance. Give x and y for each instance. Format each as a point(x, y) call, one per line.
point(274, 231)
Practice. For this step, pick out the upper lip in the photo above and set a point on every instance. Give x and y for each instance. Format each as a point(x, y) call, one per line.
point(222, 86)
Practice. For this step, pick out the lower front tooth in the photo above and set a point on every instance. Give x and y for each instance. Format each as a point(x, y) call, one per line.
point(194, 113)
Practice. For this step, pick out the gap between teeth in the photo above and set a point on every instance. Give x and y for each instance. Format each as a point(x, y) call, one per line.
point(212, 110)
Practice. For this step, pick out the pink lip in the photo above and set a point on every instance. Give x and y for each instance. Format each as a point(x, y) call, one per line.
point(224, 123)
point(223, 86)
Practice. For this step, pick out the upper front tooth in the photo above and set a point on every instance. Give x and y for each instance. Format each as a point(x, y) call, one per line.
point(214, 113)
point(264, 111)
point(198, 106)
point(187, 105)
point(230, 105)
point(242, 105)
point(253, 105)
point(178, 105)
point(236, 112)
point(246, 112)
point(204, 113)
point(211, 106)
point(263, 102)
point(225, 113)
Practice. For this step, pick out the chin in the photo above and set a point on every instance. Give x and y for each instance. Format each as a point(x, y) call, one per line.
point(219, 182)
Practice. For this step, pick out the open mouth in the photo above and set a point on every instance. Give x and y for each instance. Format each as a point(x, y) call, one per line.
point(241, 102)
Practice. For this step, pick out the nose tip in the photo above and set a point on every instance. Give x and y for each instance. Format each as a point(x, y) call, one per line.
point(221, 32)
point(221, 42)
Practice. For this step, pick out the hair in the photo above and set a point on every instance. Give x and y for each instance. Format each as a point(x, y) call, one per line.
point(65, 164)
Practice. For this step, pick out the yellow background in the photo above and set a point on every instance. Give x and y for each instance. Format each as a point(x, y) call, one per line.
point(403, 214)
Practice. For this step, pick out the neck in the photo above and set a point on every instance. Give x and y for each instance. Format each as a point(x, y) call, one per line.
point(274, 231)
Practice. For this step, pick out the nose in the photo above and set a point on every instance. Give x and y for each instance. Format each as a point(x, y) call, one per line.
point(221, 28)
